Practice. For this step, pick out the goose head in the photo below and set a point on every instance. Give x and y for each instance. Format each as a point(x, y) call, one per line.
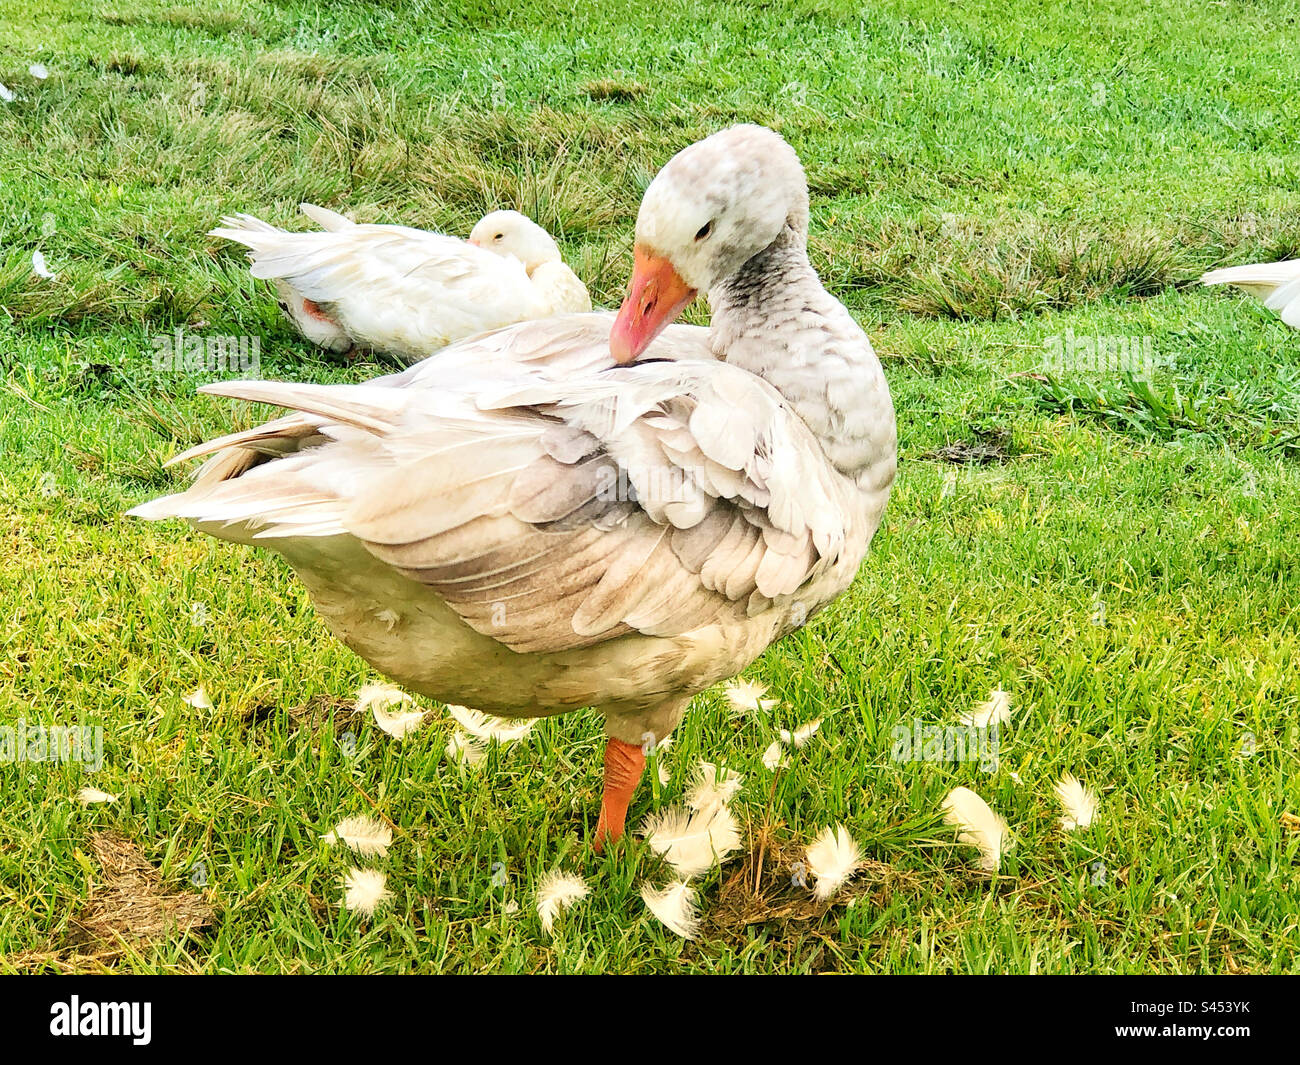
point(512, 233)
point(709, 211)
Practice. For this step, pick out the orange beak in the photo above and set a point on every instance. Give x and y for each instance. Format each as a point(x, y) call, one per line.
point(655, 296)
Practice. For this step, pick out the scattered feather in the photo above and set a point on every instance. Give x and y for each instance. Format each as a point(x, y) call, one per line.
point(674, 906)
point(692, 842)
point(486, 727)
point(40, 268)
point(6, 93)
point(461, 748)
point(980, 826)
point(558, 891)
point(661, 771)
point(833, 857)
point(1078, 801)
point(774, 757)
point(381, 695)
point(746, 696)
point(198, 699)
point(365, 835)
point(365, 890)
point(802, 734)
point(94, 795)
point(712, 787)
point(39, 71)
point(377, 698)
point(996, 711)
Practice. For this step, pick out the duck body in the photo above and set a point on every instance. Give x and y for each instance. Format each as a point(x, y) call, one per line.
point(589, 510)
point(406, 292)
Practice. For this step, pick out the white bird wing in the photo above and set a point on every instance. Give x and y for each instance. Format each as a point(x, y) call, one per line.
point(522, 469)
point(1277, 285)
point(392, 288)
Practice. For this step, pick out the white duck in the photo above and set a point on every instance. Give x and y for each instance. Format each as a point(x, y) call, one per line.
point(403, 291)
point(553, 528)
point(1277, 285)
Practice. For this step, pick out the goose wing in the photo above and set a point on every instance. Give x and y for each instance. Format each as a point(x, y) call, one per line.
point(552, 499)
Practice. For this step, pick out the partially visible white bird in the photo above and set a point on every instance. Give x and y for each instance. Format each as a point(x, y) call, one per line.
point(406, 292)
point(1276, 285)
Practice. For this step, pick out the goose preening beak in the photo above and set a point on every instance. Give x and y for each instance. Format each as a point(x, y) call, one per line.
point(656, 296)
point(458, 526)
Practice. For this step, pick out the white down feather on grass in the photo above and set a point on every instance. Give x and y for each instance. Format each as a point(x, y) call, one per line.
point(692, 842)
point(486, 727)
point(199, 699)
point(365, 890)
point(996, 710)
point(462, 747)
point(746, 696)
point(91, 796)
point(557, 891)
point(800, 736)
point(1078, 802)
point(674, 906)
point(378, 699)
point(979, 826)
point(367, 836)
point(712, 787)
point(833, 858)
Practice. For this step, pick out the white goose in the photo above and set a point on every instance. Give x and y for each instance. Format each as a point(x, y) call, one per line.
point(403, 291)
point(552, 527)
point(1277, 285)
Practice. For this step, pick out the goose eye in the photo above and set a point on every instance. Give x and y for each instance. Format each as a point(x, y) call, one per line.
point(499, 236)
point(704, 231)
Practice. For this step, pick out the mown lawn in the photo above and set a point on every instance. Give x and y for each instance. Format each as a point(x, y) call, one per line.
point(986, 176)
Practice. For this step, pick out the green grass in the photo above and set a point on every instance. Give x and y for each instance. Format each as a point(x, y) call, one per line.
point(985, 176)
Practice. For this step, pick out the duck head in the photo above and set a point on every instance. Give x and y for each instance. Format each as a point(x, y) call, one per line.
point(512, 233)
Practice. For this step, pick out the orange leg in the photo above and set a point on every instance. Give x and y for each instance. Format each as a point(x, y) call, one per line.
point(624, 763)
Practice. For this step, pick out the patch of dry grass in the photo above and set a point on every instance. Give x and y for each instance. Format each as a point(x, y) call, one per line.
point(130, 910)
